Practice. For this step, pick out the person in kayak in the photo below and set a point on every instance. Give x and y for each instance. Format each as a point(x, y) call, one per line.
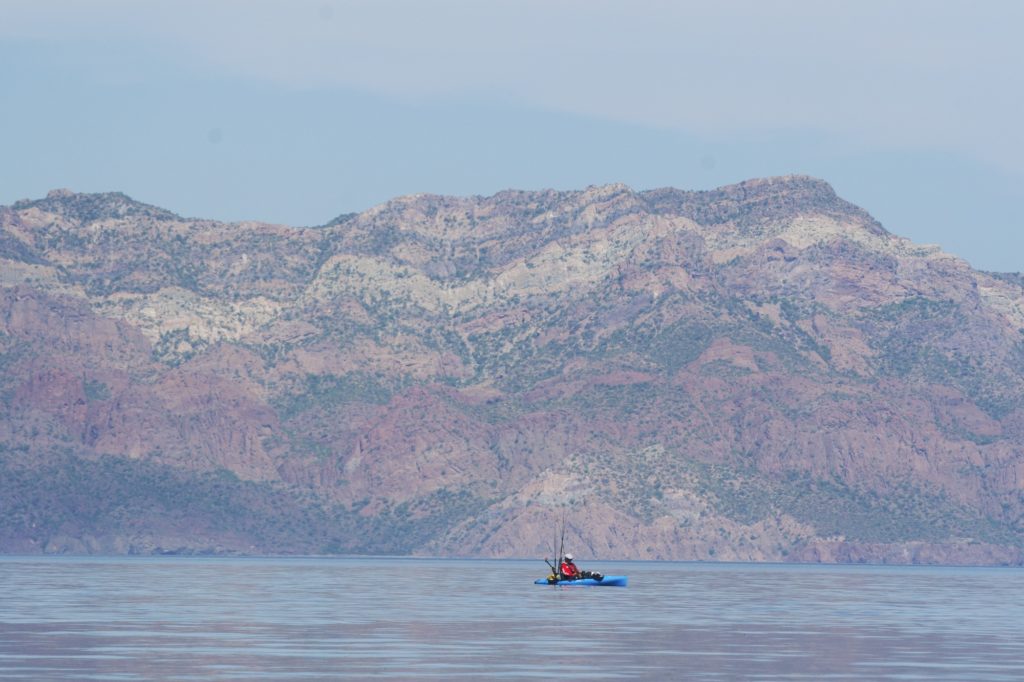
point(568, 570)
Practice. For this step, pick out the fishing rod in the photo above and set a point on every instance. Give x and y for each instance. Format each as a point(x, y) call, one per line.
point(561, 545)
point(557, 544)
point(554, 547)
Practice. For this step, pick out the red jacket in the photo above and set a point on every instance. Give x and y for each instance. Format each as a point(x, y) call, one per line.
point(569, 570)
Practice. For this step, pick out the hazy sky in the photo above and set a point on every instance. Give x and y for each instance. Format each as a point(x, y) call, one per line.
point(298, 111)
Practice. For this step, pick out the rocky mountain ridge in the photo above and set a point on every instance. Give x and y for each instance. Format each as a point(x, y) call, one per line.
point(758, 372)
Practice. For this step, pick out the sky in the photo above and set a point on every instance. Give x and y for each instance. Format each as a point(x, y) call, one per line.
point(296, 112)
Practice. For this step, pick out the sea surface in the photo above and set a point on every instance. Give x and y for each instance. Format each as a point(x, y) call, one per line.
point(175, 618)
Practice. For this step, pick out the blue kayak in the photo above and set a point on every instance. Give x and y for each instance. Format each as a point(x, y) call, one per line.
point(606, 581)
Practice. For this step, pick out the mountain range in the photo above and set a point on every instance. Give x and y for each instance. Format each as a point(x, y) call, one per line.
point(760, 372)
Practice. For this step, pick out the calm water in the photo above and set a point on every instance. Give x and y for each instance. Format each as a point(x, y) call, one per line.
point(319, 619)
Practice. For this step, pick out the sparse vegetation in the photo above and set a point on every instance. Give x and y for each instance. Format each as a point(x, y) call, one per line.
point(96, 390)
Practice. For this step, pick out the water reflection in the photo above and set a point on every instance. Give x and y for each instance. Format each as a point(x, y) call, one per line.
point(232, 619)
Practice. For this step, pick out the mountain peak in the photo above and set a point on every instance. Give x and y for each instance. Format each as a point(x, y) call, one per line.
point(90, 207)
point(759, 201)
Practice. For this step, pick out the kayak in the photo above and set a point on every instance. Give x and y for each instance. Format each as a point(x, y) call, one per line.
point(606, 581)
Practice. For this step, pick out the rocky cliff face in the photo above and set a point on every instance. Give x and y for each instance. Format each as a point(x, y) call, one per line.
point(759, 372)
